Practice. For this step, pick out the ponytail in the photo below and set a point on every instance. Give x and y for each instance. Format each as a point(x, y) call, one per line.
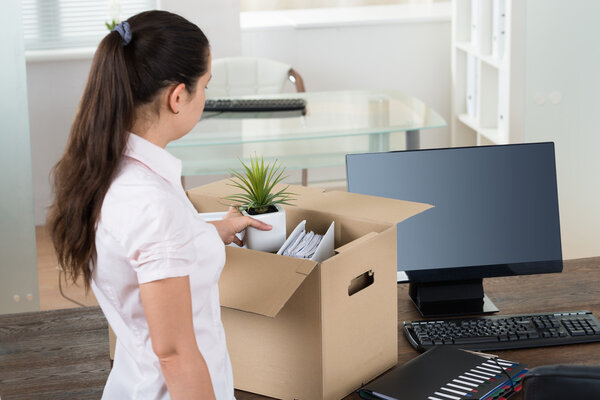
point(162, 49)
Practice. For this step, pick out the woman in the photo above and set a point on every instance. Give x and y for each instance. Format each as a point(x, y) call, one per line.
point(121, 219)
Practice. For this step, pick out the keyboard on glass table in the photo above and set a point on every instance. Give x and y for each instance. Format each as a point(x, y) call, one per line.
point(500, 332)
point(254, 105)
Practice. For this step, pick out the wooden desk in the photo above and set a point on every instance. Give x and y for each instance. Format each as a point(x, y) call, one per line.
point(64, 354)
point(576, 288)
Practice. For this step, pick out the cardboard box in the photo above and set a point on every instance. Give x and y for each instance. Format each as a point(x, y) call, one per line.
point(298, 329)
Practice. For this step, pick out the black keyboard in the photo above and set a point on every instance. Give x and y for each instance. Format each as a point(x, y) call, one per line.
point(255, 105)
point(501, 332)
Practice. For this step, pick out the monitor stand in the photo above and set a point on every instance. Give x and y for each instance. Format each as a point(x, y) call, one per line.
point(443, 299)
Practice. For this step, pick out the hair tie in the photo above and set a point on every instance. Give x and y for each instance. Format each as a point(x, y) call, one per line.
point(125, 31)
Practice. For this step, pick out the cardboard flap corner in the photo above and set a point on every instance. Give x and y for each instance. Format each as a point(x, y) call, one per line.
point(259, 282)
point(367, 207)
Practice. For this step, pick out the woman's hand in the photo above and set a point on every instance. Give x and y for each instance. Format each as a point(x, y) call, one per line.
point(235, 222)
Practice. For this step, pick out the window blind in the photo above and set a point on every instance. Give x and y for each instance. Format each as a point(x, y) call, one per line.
point(65, 24)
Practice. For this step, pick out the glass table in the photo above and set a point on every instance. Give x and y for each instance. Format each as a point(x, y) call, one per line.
point(334, 124)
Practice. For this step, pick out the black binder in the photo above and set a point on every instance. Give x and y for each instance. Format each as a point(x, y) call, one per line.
point(446, 373)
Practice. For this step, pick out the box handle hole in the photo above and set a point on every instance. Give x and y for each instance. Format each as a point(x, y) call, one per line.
point(361, 282)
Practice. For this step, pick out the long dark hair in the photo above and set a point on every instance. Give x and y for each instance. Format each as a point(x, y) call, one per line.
point(165, 49)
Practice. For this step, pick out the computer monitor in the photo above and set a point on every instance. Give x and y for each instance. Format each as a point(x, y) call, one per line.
point(495, 214)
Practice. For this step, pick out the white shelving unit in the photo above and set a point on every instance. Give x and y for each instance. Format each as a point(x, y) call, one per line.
point(488, 41)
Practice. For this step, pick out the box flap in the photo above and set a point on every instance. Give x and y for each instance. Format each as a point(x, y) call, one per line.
point(354, 205)
point(260, 282)
point(362, 206)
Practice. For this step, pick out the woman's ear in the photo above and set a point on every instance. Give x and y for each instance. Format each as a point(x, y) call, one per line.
point(176, 97)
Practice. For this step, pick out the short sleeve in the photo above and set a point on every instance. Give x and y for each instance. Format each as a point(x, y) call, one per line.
point(159, 242)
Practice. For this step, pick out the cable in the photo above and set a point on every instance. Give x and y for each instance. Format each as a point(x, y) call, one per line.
point(494, 358)
point(58, 267)
point(510, 379)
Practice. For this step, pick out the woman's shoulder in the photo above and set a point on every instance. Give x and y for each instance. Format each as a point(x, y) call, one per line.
point(132, 172)
point(139, 194)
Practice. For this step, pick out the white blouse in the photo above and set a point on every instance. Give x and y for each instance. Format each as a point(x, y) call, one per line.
point(148, 230)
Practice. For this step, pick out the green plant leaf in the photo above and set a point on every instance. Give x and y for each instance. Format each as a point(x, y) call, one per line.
point(111, 25)
point(256, 182)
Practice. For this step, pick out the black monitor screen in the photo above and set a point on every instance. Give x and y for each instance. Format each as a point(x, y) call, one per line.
point(495, 208)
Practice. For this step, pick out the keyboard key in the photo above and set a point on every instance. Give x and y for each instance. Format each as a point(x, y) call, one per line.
point(476, 339)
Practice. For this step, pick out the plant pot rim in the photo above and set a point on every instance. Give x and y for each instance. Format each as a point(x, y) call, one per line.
point(277, 206)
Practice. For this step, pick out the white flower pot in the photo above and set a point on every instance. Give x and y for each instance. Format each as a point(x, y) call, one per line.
point(269, 241)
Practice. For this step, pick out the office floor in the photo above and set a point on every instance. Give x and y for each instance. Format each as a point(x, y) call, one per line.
point(50, 297)
point(61, 352)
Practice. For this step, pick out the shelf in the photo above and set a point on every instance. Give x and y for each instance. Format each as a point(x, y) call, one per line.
point(467, 47)
point(487, 71)
point(469, 121)
point(490, 60)
point(492, 135)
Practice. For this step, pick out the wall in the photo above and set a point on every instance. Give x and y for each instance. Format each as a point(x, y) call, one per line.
point(54, 89)
point(259, 5)
point(18, 266)
point(412, 57)
point(562, 104)
point(219, 20)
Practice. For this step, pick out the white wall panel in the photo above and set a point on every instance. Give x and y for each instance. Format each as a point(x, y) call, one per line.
point(219, 20)
point(18, 265)
point(562, 103)
point(54, 88)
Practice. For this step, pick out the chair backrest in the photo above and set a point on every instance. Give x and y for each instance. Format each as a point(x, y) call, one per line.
point(559, 382)
point(238, 76)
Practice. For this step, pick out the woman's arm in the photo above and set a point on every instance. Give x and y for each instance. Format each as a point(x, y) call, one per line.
point(168, 308)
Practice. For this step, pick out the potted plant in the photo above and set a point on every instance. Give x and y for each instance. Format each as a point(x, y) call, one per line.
point(259, 200)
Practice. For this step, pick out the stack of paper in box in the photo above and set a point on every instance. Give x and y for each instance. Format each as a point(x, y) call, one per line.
point(311, 246)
